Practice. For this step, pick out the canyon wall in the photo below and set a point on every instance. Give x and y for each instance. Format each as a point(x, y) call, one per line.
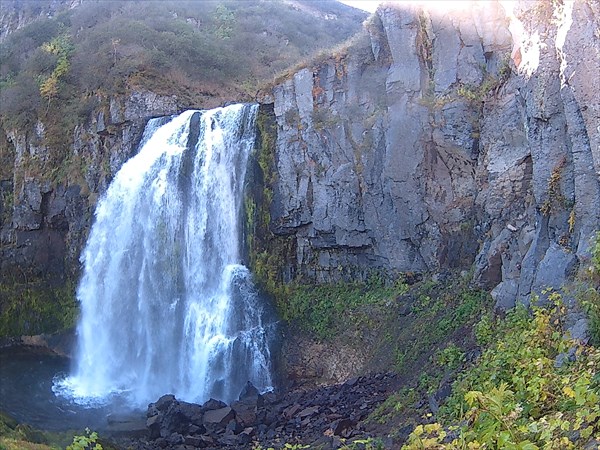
point(444, 140)
point(434, 141)
point(47, 207)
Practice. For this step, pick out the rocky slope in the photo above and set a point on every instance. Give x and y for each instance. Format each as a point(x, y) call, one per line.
point(325, 417)
point(445, 140)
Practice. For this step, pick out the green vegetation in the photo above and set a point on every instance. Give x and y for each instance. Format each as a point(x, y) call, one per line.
point(364, 444)
point(358, 444)
point(556, 200)
point(89, 441)
point(61, 48)
point(267, 252)
point(453, 309)
point(474, 94)
point(20, 444)
point(490, 84)
point(15, 436)
point(339, 53)
point(518, 395)
point(531, 388)
point(50, 84)
point(451, 356)
point(595, 267)
point(588, 292)
point(399, 404)
point(478, 93)
point(36, 308)
point(428, 346)
point(421, 331)
point(6, 205)
point(202, 53)
point(324, 310)
point(286, 446)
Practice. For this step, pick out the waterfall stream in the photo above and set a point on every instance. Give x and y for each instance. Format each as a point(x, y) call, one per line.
point(166, 304)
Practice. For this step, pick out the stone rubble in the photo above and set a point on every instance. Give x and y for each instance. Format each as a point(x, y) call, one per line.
point(326, 417)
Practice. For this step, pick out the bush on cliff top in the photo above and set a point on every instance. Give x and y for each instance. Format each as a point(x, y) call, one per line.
point(208, 46)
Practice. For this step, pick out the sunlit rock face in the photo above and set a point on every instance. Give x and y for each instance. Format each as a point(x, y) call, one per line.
point(444, 138)
point(378, 150)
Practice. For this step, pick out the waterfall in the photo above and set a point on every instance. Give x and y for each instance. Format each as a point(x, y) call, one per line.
point(166, 305)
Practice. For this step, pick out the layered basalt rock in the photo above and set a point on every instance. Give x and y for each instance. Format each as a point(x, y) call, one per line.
point(442, 141)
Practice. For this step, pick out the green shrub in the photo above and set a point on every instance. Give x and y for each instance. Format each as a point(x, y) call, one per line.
point(451, 357)
point(596, 254)
point(484, 331)
point(518, 396)
point(590, 298)
point(364, 444)
point(89, 441)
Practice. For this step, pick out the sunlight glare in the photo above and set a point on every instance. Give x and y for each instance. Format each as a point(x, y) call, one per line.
point(441, 6)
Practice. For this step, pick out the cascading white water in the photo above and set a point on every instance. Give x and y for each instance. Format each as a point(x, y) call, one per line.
point(166, 306)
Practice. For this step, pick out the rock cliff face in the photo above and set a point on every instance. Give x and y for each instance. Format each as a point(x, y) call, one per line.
point(46, 211)
point(72, 114)
point(435, 141)
point(442, 140)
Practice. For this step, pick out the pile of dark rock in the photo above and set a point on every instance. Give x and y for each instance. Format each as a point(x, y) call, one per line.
point(323, 417)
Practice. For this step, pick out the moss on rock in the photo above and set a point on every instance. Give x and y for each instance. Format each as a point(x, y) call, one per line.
point(269, 254)
point(36, 308)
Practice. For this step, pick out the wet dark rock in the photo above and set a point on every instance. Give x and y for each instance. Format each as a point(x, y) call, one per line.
point(160, 442)
point(195, 429)
point(213, 404)
point(219, 417)
point(163, 403)
point(443, 392)
point(153, 425)
point(244, 438)
point(319, 417)
point(310, 411)
point(290, 411)
point(433, 404)
point(351, 382)
point(191, 413)
point(249, 393)
point(233, 427)
point(194, 441)
point(341, 425)
point(175, 439)
point(245, 412)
